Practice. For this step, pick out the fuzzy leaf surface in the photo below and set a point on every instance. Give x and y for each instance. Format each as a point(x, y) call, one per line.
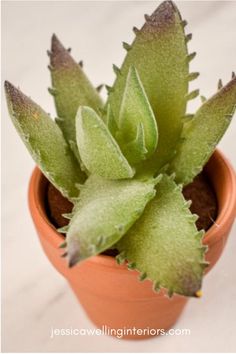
point(98, 150)
point(45, 142)
point(164, 243)
point(135, 150)
point(110, 121)
point(159, 53)
point(105, 211)
point(135, 111)
point(203, 133)
point(71, 88)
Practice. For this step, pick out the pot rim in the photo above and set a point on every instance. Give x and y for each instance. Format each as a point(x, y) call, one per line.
point(212, 235)
point(229, 206)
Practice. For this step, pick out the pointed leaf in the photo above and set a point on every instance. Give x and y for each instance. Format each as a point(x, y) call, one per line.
point(203, 133)
point(110, 121)
point(105, 211)
point(45, 142)
point(136, 151)
point(72, 88)
point(159, 54)
point(165, 244)
point(136, 110)
point(98, 150)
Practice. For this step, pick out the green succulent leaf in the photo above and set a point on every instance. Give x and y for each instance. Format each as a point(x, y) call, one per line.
point(135, 111)
point(164, 243)
point(136, 149)
point(110, 121)
point(203, 133)
point(105, 211)
point(45, 142)
point(98, 150)
point(71, 89)
point(159, 53)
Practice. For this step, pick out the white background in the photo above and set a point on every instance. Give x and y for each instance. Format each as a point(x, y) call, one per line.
point(35, 296)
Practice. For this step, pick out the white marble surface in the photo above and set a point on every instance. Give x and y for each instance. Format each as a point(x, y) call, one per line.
point(35, 297)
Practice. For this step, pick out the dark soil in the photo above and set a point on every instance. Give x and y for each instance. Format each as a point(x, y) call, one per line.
point(57, 205)
point(204, 204)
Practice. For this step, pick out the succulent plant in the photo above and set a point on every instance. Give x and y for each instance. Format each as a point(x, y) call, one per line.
point(123, 162)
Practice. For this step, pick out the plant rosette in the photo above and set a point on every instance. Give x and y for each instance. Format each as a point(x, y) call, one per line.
point(124, 166)
point(112, 295)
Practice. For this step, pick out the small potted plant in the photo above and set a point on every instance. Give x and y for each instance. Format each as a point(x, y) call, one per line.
point(117, 178)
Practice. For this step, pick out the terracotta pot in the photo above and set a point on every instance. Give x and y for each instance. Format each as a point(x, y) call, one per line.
point(111, 295)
